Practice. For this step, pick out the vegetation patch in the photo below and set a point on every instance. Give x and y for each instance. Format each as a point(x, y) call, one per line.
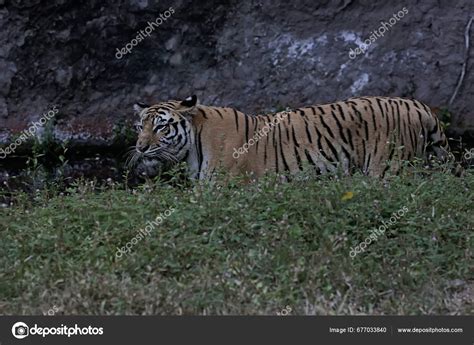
point(237, 248)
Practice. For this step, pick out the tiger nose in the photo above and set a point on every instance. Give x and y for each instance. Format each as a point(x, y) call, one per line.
point(143, 149)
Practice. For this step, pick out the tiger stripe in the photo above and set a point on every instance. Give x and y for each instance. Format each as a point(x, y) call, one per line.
point(369, 134)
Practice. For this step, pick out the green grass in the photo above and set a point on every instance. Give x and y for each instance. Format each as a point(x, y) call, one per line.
point(243, 248)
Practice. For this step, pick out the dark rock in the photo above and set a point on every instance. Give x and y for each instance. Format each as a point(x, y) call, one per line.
point(252, 56)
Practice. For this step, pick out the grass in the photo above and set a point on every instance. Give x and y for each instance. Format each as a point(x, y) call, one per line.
point(242, 248)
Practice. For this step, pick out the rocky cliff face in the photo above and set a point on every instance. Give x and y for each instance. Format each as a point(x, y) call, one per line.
point(94, 59)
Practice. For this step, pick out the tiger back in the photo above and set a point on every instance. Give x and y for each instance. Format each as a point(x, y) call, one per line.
point(369, 134)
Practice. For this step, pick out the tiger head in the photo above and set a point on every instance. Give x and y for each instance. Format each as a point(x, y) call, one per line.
point(164, 132)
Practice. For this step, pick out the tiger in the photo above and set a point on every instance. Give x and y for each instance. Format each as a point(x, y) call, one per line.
point(372, 135)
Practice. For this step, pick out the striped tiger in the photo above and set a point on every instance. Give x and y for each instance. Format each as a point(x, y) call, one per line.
point(369, 134)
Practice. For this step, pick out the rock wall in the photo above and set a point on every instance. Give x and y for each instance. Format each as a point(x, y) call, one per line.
point(252, 55)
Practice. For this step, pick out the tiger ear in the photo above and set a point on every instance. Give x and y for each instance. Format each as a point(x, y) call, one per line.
point(139, 106)
point(189, 102)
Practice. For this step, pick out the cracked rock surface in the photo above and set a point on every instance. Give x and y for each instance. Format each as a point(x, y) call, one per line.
point(256, 56)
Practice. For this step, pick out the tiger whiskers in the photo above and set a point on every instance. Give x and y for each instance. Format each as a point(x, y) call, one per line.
point(162, 154)
point(132, 157)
